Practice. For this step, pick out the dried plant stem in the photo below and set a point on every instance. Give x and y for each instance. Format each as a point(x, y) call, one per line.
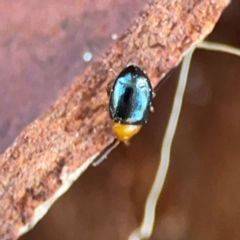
point(146, 227)
point(219, 47)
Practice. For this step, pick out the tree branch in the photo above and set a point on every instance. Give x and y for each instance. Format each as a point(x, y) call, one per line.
point(55, 149)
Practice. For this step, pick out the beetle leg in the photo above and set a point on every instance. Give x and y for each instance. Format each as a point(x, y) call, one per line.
point(109, 88)
point(127, 143)
point(112, 70)
point(151, 109)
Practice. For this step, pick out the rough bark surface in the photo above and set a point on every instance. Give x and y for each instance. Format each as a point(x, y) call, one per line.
point(52, 151)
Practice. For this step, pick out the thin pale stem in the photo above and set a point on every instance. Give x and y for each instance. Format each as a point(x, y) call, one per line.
point(146, 227)
point(219, 47)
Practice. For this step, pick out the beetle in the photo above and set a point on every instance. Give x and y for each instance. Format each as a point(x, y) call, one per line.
point(130, 102)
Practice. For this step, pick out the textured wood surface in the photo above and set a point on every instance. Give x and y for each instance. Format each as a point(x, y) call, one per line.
point(52, 152)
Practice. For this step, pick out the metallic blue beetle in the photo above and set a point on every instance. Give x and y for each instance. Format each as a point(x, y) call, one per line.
point(130, 102)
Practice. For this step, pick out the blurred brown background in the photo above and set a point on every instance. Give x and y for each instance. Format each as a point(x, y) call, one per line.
point(41, 49)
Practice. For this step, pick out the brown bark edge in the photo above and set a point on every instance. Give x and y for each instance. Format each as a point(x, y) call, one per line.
point(55, 149)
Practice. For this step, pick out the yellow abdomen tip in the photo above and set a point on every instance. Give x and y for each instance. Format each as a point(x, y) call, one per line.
point(125, 132)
